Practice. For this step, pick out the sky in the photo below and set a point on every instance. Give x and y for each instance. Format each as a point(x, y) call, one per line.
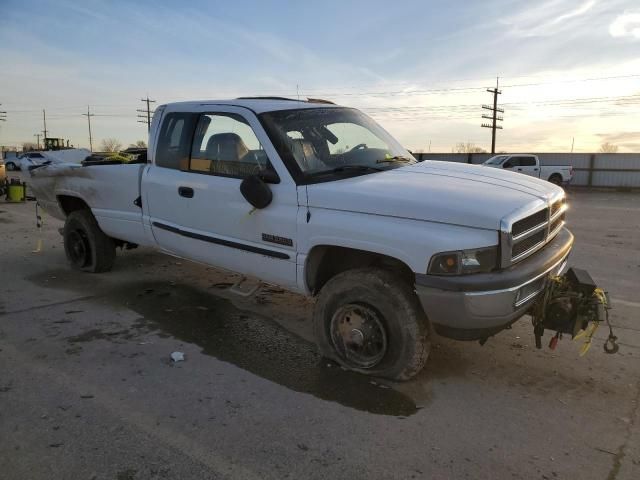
point(569, 71)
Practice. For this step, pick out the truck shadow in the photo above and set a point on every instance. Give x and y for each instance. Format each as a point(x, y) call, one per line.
point(245, 339)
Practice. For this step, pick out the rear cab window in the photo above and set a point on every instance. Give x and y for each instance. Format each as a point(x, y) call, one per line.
point(527, 162)
point(174, 141)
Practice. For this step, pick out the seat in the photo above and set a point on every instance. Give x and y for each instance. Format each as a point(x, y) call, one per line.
point(305, 154)
point(227, 147)
point(226, 152)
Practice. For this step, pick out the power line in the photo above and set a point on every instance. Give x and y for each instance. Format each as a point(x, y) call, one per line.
point(458, 89)
point(551, 82)
point(406, 91)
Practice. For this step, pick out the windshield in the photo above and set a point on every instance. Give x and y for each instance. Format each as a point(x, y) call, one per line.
point(497, 160)
point(320, 142)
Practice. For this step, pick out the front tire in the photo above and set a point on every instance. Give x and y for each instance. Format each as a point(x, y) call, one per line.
point(11, 166)
point(369, 320)
point(87, 247)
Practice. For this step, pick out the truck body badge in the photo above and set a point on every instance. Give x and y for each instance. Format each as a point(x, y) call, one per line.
point(267, 237)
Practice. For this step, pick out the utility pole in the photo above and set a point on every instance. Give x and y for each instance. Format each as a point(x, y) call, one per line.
point(44, 118)
point(89, 115)
point(572, 141)
point(37, 135)
point(3, 118)
point(148, 112)
point(494, 116)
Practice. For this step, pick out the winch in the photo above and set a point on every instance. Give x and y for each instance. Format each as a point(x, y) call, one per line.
point(572, 304)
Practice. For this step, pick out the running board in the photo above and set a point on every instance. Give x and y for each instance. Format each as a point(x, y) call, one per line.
point(245, 287)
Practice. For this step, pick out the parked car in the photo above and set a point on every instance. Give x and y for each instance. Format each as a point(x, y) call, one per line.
point(322, 201)
point(33, 159)
point(24, 160)
point(3, 173)
point(530, 165)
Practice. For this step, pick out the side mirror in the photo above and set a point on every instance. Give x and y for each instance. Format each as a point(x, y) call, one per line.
point(256, 192)
point(269, 176)
point(507, 164)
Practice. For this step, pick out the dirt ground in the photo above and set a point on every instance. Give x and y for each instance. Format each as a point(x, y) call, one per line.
point(88, 390)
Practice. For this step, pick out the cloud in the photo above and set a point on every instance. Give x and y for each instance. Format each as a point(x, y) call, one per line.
point(581, 10)
point(626, 25)
point(627, 140)
point(546, 19)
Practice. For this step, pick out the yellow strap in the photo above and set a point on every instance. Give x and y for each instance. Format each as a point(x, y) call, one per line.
point(38, 247)
point(588, 332)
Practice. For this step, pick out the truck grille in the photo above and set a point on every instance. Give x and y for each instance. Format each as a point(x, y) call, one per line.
point(530, 233)
point(557, 205)
point(530, 222)
point(523, 245)
point(556, 224)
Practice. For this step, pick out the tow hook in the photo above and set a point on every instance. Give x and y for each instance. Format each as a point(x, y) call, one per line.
point(572, 304)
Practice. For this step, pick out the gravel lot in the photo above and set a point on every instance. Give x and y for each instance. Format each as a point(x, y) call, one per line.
point(87, 388)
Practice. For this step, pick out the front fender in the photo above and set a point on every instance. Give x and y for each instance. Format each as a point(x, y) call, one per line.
point(412, 242)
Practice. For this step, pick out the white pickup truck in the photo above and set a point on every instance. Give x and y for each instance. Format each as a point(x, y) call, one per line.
point(530, 165)
point(319, 199)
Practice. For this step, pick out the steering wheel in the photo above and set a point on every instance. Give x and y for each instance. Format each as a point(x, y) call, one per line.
point(360, 146)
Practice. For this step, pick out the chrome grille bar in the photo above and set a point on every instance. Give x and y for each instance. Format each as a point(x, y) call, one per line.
point(536, 224)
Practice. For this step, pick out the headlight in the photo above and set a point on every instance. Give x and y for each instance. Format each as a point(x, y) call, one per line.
point(463, 262)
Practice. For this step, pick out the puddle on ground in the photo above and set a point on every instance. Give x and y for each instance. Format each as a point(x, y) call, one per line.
point(253, 343)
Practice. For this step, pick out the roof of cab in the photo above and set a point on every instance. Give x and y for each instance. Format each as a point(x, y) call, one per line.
point(256, 104)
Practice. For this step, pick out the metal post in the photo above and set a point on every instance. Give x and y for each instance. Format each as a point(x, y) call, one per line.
point(592, 163)
point(89, 115)
point(44, 119)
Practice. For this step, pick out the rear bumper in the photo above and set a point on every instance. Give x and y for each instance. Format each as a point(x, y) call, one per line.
point(477, 306)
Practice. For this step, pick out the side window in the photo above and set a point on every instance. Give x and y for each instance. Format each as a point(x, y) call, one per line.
point(225, 144)
point(175, 140)
point(527, 162)
point(512, 162)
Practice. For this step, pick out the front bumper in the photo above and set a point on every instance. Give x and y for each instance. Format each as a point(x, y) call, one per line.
point(477, 306)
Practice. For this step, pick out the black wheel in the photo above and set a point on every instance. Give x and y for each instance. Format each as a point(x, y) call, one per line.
point(370, 320)
point(556, 179)
point(87, 247)
point(11, 166)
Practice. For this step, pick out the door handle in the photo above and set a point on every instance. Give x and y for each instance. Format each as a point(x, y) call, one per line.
point(186, 192)
point(535, 169)
point(519, 169)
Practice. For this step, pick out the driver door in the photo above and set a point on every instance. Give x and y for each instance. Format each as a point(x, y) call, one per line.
point(197, 210)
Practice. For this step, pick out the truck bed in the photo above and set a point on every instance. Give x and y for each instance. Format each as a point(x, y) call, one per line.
point(109, 190)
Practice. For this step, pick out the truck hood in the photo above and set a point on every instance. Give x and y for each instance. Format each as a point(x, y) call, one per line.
point(435, 191)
